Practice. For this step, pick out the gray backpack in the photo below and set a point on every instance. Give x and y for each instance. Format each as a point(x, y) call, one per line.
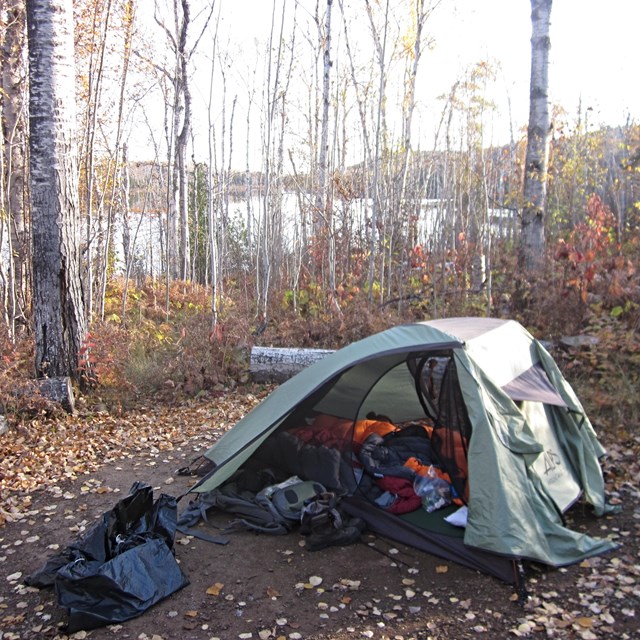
point(275, 509)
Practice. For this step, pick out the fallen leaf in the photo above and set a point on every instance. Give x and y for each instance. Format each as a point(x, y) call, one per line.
point(442, 568)
point(215, 589)
point(585, 623)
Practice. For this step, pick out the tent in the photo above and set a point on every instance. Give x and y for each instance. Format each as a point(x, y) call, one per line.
point(502, 422)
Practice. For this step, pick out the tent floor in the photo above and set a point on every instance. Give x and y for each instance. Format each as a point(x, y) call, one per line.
point(449, 546)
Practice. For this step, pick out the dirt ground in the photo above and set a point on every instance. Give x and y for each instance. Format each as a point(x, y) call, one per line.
point(261, 586)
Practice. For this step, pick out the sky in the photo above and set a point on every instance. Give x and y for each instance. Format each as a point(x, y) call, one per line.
point(593, 55)
point(593, 61)
point(594, 50)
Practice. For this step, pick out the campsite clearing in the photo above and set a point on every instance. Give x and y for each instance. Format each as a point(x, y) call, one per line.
point(263, 586)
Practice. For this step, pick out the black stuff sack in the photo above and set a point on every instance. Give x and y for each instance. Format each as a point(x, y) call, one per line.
point(121, 567)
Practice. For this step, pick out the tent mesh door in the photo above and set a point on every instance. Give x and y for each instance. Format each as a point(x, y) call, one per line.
point(452, 431)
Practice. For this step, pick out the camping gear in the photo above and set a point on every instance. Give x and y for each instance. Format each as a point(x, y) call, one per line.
point(289, 497)
point(325, 524)
point(257, 501)
point(483, 402)
point(122, 566)
point(434, 492)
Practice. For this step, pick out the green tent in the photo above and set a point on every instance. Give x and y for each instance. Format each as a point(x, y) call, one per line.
point(504, 424)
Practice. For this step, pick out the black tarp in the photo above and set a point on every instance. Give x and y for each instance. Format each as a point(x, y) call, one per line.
point(122, 565)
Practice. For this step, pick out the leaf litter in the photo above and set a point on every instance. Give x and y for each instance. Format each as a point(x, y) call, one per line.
point(54, 473)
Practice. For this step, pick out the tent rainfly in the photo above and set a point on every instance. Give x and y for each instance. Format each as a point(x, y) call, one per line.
point(501, 420)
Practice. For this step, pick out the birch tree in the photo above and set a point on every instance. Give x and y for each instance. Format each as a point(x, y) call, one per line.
point(380, 139)
point(58, 307)
point(268, 253)
point(97, 25)
point(531, 251)
point(12, 110)
point(325, 42)
point(178, 235)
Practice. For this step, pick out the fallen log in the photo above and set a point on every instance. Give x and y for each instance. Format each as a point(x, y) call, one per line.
point(57, 390)
point(277, 364)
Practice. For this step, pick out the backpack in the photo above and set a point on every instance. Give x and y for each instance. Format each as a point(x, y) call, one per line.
point(273, 509)
point(289, 500)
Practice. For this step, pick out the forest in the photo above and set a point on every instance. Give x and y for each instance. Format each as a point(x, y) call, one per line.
point(306, 211)
point(181, 182)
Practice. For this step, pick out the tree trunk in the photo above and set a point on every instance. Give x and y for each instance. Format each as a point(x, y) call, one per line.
point(59, 318)
point(324, 37)
point(531, 254)
point(381, 47)
point(12, 98)
point(58, 390)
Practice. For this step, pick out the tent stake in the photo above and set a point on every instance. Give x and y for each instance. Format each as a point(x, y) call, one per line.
point(521, 582)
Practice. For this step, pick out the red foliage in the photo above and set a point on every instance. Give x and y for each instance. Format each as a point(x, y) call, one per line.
point(591, 253)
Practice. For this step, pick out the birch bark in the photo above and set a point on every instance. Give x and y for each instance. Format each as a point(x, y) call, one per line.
point(58, 308)
point(531, 250)
point(12, 110)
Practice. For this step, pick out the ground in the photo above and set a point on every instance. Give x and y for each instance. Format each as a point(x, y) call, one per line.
point(261, 586)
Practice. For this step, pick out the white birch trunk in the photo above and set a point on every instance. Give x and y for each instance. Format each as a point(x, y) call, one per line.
point(13, 90)
point(181, 145)
point(321, 196)
point(531, 256)
point(59, 320)
point(277, 364)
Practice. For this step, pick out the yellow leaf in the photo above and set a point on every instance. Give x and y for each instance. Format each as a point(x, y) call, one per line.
point(215, 589)
point(191, 614)
point(443, 568)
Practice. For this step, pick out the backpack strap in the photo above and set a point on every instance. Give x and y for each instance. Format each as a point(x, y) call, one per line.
point(196, 511)
point(254, 512)
point(199, 466)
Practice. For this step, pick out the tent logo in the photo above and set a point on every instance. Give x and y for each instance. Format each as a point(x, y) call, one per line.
point(551, 461)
